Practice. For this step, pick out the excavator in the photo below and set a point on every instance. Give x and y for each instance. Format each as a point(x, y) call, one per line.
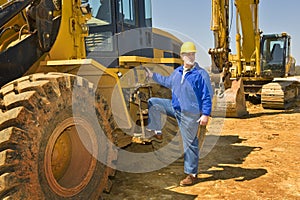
point(262, 66)
point(74, 91)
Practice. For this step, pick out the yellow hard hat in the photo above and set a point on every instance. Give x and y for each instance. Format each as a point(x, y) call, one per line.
point(188, 47)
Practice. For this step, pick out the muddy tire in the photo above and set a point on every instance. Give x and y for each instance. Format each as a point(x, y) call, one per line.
point(171, 148)
point(54, 129)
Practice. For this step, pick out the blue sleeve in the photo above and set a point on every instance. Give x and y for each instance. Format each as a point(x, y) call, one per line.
point(208, 84)
point(207, 94)
point(163, 80)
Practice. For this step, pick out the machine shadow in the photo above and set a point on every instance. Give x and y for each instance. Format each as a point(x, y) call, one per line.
point(271, 113)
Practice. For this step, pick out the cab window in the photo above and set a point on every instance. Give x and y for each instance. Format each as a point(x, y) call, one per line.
point(101, 12)
point(128, 12)
point(148, 13)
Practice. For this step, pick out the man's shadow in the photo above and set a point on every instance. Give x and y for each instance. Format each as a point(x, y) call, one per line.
point(219, 162)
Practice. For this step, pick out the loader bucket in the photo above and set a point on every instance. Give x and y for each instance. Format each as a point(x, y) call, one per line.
point(232, 102)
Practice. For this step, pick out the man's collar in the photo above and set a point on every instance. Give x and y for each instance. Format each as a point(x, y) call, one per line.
point(188, 69)
point(196, 65)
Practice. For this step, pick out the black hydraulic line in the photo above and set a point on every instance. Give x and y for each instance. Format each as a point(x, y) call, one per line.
point(11, 9)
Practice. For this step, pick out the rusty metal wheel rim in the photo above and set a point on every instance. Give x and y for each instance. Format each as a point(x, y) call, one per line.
point(82, 162)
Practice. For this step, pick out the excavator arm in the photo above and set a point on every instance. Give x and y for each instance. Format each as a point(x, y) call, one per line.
point(29, 27)
point(247, 43)
point(11, 9)
point(220, 28)
point(247, 37)
point(40, 17)
point(229, 99)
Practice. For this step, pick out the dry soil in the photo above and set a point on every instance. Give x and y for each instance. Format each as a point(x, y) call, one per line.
point(256, 157)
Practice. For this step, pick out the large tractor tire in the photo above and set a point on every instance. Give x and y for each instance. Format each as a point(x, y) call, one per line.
point(50, 140)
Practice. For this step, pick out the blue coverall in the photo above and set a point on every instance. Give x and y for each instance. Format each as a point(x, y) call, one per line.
point(191, 98)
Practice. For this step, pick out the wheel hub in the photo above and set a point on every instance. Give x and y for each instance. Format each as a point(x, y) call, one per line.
point(69, 165)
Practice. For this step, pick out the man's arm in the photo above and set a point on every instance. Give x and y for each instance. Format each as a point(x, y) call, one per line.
point(162, 80)
point(206, 100)
point(207, 94)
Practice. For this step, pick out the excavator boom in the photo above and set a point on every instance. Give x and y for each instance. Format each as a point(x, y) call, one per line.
point(229, 99)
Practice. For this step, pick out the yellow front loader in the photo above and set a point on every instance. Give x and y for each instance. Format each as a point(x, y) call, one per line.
point(71, 73)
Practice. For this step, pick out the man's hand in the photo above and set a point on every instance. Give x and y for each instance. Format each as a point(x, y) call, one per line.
point(149, 74)
point(203, 120)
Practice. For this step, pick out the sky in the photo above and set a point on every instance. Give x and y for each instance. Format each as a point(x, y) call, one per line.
point(190, 20)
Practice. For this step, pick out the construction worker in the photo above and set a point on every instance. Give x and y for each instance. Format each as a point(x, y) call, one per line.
point(191, 105)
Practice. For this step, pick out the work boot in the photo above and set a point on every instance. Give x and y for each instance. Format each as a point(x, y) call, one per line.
point(153, 136)
point(157, 138)
point(189, 180)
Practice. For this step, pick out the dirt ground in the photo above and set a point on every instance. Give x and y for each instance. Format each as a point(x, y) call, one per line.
point(256, 157)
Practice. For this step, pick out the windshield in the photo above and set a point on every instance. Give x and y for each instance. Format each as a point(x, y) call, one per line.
point(101, 13)
point(273, 56)
point(114, 16)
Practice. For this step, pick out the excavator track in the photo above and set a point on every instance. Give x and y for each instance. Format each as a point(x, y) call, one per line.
point(282, 93)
